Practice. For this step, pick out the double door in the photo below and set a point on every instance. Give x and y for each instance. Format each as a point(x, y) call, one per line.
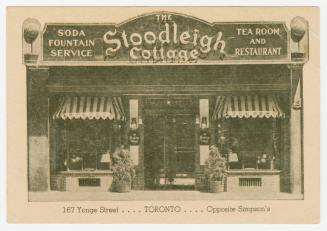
point(169, 155)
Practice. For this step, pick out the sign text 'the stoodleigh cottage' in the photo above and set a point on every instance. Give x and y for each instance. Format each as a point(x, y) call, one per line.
point(162, 39)
point(158, 38)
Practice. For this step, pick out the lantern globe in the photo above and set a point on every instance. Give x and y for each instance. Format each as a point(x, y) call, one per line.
point(298, 28)
point(31, 29)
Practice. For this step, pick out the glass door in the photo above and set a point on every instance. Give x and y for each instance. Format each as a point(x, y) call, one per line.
point(169, 156)
point(183, 146)
point(154, 150)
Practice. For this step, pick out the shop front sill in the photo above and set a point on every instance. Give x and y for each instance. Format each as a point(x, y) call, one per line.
point(253, 172)
point(84, 173)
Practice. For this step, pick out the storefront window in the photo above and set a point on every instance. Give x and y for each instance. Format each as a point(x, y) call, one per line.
point(250, 143)
point(86, 144)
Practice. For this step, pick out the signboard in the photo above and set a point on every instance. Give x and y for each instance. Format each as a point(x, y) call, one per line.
point(204, 137)
point(134, 137)
point(165, 38)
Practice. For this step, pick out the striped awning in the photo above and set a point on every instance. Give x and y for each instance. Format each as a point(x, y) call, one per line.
point(90, 107)
point(248, 106)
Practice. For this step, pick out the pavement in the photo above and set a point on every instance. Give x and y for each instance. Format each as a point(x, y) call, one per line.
point(156, 196)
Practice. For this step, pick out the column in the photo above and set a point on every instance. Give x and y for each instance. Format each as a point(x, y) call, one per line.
point(203, 150)
point(37, 120)
point(133, 124)
point(204, 115)
point(136, 151)
point(296, 129)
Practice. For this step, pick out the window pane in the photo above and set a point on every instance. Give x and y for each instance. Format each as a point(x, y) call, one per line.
point(89, 161)
point(84, 145)
point(104, 160)
point(251, 138)
point(75, 161)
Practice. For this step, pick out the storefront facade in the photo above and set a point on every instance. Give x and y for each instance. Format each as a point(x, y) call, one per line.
point(167, 87)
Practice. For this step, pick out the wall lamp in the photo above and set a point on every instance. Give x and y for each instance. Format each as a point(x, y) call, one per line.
point(204, 123)
point(133, 124)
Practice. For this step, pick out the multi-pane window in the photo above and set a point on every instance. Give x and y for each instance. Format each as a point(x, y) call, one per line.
point(85, 145)
point(251, 139)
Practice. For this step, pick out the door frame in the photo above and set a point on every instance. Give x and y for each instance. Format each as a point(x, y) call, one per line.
point(166, 113)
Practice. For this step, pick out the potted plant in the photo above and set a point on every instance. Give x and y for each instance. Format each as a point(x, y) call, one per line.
point(123, 170)
point(215, 170)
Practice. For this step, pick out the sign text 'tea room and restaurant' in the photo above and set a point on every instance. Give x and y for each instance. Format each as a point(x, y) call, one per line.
point(158, 38)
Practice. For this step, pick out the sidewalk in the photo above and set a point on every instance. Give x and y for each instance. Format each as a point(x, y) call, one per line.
point(156, 196)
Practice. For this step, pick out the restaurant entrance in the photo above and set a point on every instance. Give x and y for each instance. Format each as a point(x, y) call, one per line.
point(169, 155)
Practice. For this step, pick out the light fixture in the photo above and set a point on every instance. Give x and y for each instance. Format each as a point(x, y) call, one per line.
point(133, 123)
point(140, 120)
point(31, 30)
point(116, 126)
point(197, 119)
point(299, 28)
point(204, 123)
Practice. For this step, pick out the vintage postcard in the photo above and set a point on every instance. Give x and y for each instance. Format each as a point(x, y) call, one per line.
point(163, 115)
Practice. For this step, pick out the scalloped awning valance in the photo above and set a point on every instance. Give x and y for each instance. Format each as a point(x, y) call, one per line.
point(90, 107)
point(248, 106)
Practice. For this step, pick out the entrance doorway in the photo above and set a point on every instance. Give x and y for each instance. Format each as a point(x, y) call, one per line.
point(169, 155)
